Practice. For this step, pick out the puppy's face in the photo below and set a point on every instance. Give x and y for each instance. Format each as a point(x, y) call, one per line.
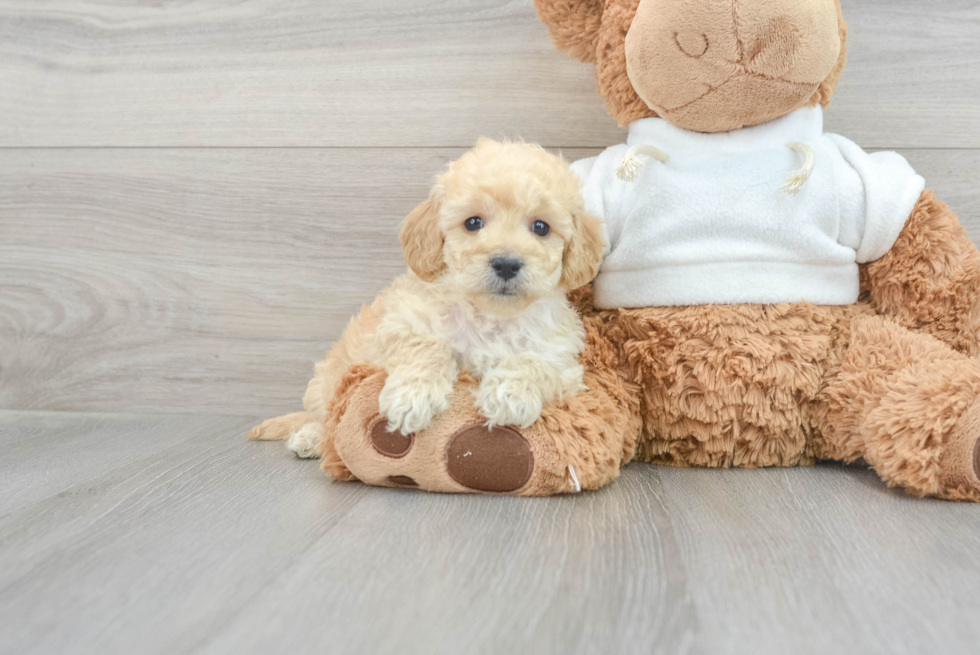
point(505, 225)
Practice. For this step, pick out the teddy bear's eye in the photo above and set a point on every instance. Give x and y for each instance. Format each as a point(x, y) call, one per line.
point(540, 228)
point(473, 223)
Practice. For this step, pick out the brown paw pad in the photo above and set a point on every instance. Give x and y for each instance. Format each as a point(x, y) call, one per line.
point(976, 459)
point(497, 460)
point(402, 481)
point(390, 444)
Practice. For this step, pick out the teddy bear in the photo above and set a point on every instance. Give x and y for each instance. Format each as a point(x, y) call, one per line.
point(770, 294)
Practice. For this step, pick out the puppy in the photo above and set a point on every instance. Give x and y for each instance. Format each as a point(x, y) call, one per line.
point(502, 237)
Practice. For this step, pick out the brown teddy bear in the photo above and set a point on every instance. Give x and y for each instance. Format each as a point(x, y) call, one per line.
point(772, 295)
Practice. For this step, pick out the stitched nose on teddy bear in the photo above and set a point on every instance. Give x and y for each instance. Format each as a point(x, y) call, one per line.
point(719, 65)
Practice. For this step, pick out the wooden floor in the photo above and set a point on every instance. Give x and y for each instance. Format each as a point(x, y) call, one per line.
point(195, 196)
point(170, 534)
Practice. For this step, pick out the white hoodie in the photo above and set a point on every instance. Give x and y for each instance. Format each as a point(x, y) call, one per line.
point(712, 224)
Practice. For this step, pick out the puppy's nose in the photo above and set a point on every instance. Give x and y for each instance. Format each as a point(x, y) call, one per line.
point(506, 267)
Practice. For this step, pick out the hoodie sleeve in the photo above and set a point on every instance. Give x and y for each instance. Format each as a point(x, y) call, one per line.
point(877, 193)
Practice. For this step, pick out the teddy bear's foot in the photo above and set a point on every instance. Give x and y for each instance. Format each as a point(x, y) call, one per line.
point(960, 461)
point(908, 405)
point(497, 460)
point(568, 449)
point(456, 453)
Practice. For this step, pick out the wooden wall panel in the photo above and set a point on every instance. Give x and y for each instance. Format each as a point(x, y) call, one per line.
point(211, 279)
point(423, 73)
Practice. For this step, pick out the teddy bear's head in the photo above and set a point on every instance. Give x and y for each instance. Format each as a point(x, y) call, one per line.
point(704, 65)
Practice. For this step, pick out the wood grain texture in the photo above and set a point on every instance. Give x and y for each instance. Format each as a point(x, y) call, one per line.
point(408, 73)
point(43, 455)
point(206, 543)
point(211, 280)
point(144, 268)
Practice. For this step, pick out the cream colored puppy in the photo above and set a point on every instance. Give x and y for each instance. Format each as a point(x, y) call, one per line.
point(502, 237)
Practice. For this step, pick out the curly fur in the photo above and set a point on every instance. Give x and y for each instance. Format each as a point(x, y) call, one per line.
point(891, 380)
point(594, 432)
point(885, 380)
point(752, 385)
point(518, 335)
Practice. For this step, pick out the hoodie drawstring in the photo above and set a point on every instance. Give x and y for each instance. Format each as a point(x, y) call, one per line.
point(798, 178)
point(631, 164)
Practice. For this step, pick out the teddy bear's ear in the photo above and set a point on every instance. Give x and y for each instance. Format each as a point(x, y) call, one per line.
point(826, 89)
point(573, 24)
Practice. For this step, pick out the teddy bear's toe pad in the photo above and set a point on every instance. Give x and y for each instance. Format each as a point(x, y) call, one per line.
point(960, 460)
point(976, 459)
point(402, 481)
point(456, 453)
point(496, 460)
point(390, 444)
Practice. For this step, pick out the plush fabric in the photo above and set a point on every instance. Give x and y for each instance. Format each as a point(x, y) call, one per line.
point(596, 31)
point(718, 65)
point(928, 281)
point(593, 433)
point(713, 225)
point(892, 379)
point(717, 386)
point(907, 404)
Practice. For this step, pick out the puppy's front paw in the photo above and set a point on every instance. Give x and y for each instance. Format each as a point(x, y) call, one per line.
point(505, 399)
point(411, 401)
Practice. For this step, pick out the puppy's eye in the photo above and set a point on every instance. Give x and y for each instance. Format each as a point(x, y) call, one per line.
point(540, 228)
point(474, 223)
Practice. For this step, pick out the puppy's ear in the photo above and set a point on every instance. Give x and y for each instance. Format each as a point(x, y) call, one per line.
point(583, 251)
point(573, 24)
point(422, 241)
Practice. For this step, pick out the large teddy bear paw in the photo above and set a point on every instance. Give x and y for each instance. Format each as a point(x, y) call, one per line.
point(571, 447)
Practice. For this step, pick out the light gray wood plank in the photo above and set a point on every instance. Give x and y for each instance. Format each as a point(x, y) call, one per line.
point(597, 573)
point(153, 554)
point(302, 73)
point(912, 79)
point(777, 556)
point(408, 73)
point(41, 456)
point(219, 545)
point(117, 262)
point(776, 553)
point(211, 280)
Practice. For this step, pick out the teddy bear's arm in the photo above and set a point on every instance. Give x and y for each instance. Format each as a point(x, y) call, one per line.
point(930, 279)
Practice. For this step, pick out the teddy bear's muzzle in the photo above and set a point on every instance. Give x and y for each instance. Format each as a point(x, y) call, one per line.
point(719, 65)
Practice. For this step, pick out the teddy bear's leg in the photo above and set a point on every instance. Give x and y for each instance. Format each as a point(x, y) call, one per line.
point(578, 443)
point(907, 404)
